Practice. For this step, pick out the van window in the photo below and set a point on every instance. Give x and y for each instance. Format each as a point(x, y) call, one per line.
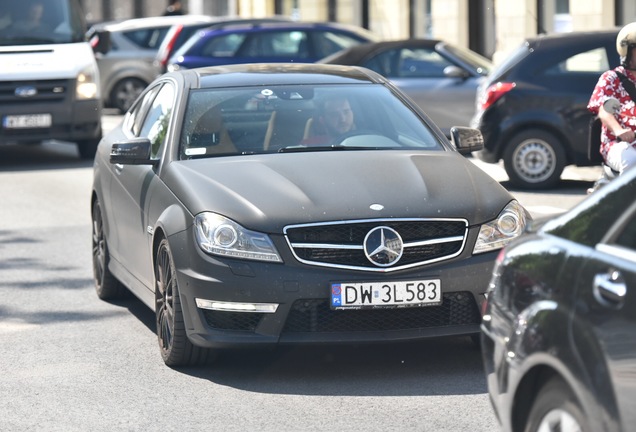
point(32, 22)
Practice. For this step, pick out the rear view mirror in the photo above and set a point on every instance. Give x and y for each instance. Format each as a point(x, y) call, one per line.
point(466, 140)
point(100, 41)
point(612, 106)
point(132, 152)
point(455, 72)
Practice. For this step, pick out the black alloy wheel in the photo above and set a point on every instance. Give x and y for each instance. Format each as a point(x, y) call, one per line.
point(106, 286)
point(556, 409)
point(176, 349)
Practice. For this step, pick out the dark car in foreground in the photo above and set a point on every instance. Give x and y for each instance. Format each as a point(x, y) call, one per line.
point(532, 108)
point(209, 205)
point(442, 78)
point(559, 329)
point(282, 42)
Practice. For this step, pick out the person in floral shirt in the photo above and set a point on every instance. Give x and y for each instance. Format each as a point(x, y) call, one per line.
point(618, 132)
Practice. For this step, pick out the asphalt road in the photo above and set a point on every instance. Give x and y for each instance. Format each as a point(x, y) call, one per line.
point(74, 363)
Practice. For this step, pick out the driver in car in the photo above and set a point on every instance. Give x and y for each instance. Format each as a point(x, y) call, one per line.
point(335, 118)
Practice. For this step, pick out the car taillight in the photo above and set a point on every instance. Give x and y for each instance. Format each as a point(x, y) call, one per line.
point(170, 45)
point(94, 41)
point(494, 92)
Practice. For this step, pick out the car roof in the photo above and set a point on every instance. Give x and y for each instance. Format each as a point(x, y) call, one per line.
point(166, 21)
point(357, 52)
point(558, 40)
point(260, 74)
point(296, 25)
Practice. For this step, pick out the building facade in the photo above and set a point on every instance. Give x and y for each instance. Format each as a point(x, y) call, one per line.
point(490, 27)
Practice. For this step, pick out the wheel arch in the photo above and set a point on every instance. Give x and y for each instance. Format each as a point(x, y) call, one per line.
point(120, 74)
point(532, 381)
point(174, 219)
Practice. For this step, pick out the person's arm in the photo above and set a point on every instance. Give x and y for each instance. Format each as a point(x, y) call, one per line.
point(608, 119)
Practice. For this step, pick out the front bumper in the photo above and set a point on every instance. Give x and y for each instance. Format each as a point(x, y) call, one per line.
point(301, 294)
point(71, 120)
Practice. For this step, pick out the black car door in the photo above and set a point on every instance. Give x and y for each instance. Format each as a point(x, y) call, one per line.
point(132, 183)
point(606, 299)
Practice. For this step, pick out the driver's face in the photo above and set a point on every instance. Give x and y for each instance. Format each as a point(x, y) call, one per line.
point(338, 116)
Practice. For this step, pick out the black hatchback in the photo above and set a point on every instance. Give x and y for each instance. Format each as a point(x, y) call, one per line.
point(532, 109)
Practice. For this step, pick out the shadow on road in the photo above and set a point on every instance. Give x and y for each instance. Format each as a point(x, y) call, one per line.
point(440, 366)
point(48, 155)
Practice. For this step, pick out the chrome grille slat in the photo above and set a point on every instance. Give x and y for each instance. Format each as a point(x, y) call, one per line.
point(340, 244)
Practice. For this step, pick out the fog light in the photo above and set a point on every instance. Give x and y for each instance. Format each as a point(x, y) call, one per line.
point(236, 307)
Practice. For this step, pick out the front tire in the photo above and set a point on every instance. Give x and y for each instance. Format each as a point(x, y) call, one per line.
point(176, 349)
point(106, 286)
point(556, 409)
point(126, 92)
point(534, 159)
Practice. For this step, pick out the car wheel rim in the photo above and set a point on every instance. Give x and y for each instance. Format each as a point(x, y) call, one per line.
point(559, 420)
point(127, 93)
point(534, 161)
point(99, 246)
point(164, 298)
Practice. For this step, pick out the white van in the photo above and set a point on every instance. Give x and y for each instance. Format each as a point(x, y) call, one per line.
point(49, 82)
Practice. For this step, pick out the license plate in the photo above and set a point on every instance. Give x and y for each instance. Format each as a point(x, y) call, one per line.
point(27, 121)
point(359, 295)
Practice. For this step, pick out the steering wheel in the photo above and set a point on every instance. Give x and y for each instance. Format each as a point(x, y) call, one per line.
point(356, 132)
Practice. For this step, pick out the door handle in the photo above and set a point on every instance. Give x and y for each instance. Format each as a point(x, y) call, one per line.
point(610, 288)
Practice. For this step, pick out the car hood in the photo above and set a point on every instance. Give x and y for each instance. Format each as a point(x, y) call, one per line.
point(268, 192)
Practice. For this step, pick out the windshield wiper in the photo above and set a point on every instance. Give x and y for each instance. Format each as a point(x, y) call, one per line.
point(292, 149)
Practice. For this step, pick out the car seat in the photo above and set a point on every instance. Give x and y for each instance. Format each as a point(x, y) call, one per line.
point(210, 135)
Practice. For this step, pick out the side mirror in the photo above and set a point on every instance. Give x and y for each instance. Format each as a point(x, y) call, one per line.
point(466, 140)
point(455, 72)
point(100, 41)
point(132, 152)
point(612, 106)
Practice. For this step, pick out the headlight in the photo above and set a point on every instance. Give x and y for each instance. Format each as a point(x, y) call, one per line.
point(87, 84)
point(510, 223)
point(219, 235)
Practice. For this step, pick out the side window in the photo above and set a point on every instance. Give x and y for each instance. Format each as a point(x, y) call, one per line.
point(223, 46)
point(147, 38)
point(155, 126)
point(627, 238)
point(135, 117)
point(420, 63)
point(594, 61)
point(329, 42)
point(384, 63)
point(276, 44)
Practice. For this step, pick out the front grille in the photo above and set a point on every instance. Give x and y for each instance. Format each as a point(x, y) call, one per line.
point(315, 316)
point(46, 91)
point(240, 321)
point(342, 244)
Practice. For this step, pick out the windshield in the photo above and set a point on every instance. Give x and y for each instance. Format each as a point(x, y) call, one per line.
point(33, 22)
point(481, 64)
point(510, 60)
point(273, 119)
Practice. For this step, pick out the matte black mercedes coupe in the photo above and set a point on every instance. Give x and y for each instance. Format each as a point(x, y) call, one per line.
point(218, 205)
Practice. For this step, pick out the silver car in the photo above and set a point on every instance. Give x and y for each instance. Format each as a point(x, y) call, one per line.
point(440, 77)
point(127, 68)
